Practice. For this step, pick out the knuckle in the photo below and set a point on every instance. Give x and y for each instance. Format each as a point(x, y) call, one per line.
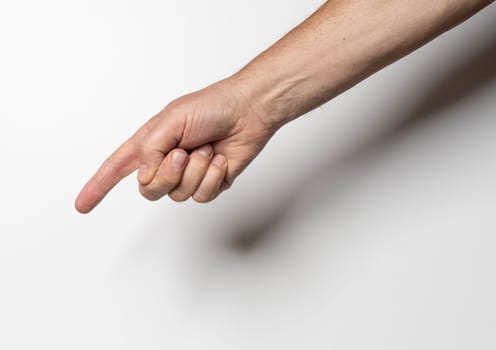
point(144, 145)
point(178, 196)
point(201, 197)
point(109, 166)
point(147, 194)
point(173, 106)
point(167, 179)
point(168, 183)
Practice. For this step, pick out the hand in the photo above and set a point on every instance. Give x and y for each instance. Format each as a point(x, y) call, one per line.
point(221, 128)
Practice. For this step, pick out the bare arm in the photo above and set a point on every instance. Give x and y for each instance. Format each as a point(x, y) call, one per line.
point(226, 124)
point(341, 44)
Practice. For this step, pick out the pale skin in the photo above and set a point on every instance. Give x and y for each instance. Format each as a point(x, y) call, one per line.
point(199, 143)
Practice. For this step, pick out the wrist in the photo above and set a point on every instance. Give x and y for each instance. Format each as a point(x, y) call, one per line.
point(266, 97)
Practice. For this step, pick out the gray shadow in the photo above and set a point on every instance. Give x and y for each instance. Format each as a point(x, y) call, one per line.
point(459, 83)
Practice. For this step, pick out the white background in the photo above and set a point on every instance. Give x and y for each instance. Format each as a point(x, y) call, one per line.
point(366, 224)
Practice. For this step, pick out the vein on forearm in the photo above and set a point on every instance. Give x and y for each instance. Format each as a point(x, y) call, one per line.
point(342, 43)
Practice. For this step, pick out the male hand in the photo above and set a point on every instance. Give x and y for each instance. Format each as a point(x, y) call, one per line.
point(217, 124)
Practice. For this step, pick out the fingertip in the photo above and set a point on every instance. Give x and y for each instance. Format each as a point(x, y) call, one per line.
point(88, 199)
point(206, 150)
point(219, 161)
point(83, 211)
point(81, 207)
point(178, 159)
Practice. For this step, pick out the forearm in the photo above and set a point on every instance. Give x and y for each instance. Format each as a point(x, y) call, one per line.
point(342, 43)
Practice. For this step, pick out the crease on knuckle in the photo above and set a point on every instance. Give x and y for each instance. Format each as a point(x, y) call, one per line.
point(178, 196)
point(147, 194)
point(201, 197)
point(109, 165)
point(168, 182)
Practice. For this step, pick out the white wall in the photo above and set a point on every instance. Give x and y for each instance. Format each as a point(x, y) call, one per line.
point(367, 224)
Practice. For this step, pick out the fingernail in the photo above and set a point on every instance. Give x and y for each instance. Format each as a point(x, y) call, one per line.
point(178, 159)
point(142, 173)
point(219, 160)
point(205, 150)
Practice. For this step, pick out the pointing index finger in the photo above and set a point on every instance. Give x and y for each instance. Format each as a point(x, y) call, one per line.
point(123, 161)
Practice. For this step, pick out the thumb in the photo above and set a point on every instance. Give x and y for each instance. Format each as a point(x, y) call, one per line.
point(163, 135)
